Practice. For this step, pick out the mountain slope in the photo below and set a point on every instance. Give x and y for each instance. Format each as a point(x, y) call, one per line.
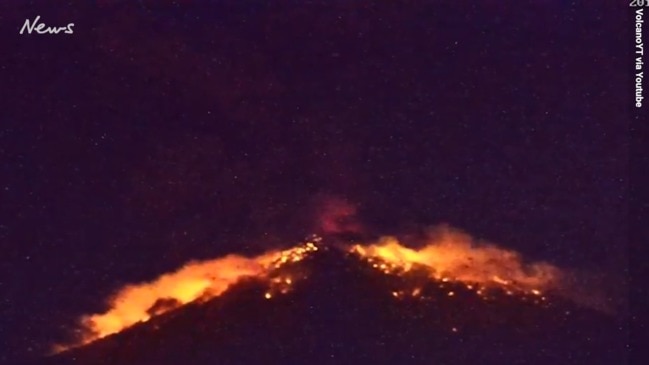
point(345, 311)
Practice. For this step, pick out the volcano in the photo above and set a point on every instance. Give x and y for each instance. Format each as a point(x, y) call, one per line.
point(341, 308)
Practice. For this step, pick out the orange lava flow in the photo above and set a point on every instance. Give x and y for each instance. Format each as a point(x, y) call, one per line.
point(450, 255)
point(195, 280)
point(447, 255)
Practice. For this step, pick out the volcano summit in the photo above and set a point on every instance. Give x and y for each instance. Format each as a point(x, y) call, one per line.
point(374, 304)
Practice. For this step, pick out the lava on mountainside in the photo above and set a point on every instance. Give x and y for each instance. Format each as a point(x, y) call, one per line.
point(328, 290)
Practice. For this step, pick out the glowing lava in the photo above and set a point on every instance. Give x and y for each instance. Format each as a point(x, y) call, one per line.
point(447, 256)
point(450, 255)
point(196, 280)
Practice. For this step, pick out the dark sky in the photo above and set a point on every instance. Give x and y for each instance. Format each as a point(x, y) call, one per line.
point(166, 131)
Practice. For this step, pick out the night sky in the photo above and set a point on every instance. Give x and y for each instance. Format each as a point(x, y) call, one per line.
point(164, 131)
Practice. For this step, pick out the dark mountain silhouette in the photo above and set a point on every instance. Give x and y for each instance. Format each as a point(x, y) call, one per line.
point(346, 312)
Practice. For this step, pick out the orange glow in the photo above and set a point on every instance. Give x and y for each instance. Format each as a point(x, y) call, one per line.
point(450, 255)
point(195, 280)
